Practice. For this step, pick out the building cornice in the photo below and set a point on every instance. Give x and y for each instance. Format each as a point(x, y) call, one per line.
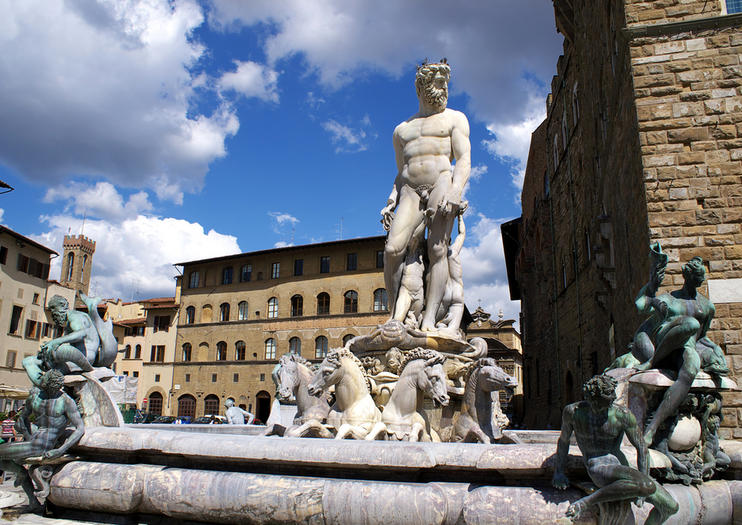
point(685, 26)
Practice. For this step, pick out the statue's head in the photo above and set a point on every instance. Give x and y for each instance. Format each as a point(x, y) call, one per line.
point(52, 380)
point(229, 403)
point(393, 360)
point(431, 83)
point(58, 306)
point(694, 272)
point(600, 390)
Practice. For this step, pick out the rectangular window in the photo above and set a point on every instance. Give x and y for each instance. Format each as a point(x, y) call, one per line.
point(262, 377)
point(193, 281)
point(227, 275)
point(236, 378)
point(35, 299)
point(157, 378)
point(32, 329)
point(22, 265)
point(10, 359)
point(246, 273)
point(47, 330)
point(298, 266)
point(157, 354)
point(135, 374)
point(3, 254)
point(213, 378)
point(734, 6)
point(352, 262)
point(162, 323)
point(125, 373)
point(15, 319)
point(275, 270)
point(379, 258)
point(188, 378)
point(324, 264)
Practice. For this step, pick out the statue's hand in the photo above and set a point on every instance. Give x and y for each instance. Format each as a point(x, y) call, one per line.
point(387, 216)
point(53, 453)
point(660, 306)
point(560, 481)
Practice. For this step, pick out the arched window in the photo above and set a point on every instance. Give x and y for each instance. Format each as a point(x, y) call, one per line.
point(239, 350)
point(138, 352)
point(270, 348)
point(380, 300)
point(297, 305)
point(206, 313)
point(272, 308)
point(155, 403)
point(350, 305)
point(187, 406)
point(323, 304)
point(187, 352)
point(346, 338)
point(242, 311)
point(320, 347)
point(84, 262)
point(221, 351)
point(295, 345)
point(190, 315)
point(211, 405)
point(127, 352)
point(70, 264)
point(224, 312)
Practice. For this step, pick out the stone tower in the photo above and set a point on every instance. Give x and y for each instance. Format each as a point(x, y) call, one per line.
point(77, 262)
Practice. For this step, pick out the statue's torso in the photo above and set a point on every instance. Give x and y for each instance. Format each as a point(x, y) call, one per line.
point(426, 147)
point(597, 436)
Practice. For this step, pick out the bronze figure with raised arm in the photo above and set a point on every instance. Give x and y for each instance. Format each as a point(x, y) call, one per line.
point(599, 426)
point(433, 156)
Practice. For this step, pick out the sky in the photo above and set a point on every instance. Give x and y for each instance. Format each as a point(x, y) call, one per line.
point(178, 130)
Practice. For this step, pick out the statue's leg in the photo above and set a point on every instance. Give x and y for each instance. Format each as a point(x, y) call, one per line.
point(66, 353)
point(664, 506)
point(643, 349)
point(617, 482)
point(438, 237)
point(379, 429)
point(407, 217)
point(24, 480)
point(32, 364)
point(677, 392)
point(674, 335)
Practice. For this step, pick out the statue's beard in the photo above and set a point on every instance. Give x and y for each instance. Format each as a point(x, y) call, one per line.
point(436, 97)
point(59, 318)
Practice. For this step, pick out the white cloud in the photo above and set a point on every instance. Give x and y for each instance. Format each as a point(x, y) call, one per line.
point(283, 218)
point(251, 79)
point(346, 139)
point(104, 89)
point(2, 215)
point(284, 224)
point(101, 200)
point(485, 274)
point(134, 258)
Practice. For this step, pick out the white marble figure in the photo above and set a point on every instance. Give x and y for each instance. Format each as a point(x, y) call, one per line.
point(235, 415)
point(451, 309)
point(354, 412)
point(427, 189)
point(403, 418)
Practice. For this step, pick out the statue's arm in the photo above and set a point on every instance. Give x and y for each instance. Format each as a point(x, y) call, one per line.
point(78, 332)
point(707, 322)
point(74, 419)
point(560, 479)
point(250, 417)
point(24, 421)
point(635, 438)
point(461, 149)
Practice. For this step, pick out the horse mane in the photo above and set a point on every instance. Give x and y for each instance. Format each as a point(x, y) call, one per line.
point(420, 353)
point(334, 356)
point(474, 366)
point(297, 358)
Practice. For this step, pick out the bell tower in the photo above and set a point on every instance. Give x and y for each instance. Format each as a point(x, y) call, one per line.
point(77, 261)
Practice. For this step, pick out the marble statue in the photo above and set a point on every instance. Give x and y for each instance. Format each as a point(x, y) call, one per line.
point(53, 411)
point(403, 418)
point(293, 376)
point(235, 415)
point(87, 341)
point(674, 336)
point(476, 422)
point(354, 412)
point(426, 195)
point(599, 426)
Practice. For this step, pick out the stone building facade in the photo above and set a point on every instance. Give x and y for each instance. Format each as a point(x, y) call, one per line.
point(77, 262)
point(238, 314)
point(642, 143)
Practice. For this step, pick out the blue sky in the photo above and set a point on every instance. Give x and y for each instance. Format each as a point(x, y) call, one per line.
point(188, 129)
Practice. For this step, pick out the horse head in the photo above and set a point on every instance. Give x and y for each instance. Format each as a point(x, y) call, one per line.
point(288, 376)
point(329, 373)
point(492, 377)
point(431, 376)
